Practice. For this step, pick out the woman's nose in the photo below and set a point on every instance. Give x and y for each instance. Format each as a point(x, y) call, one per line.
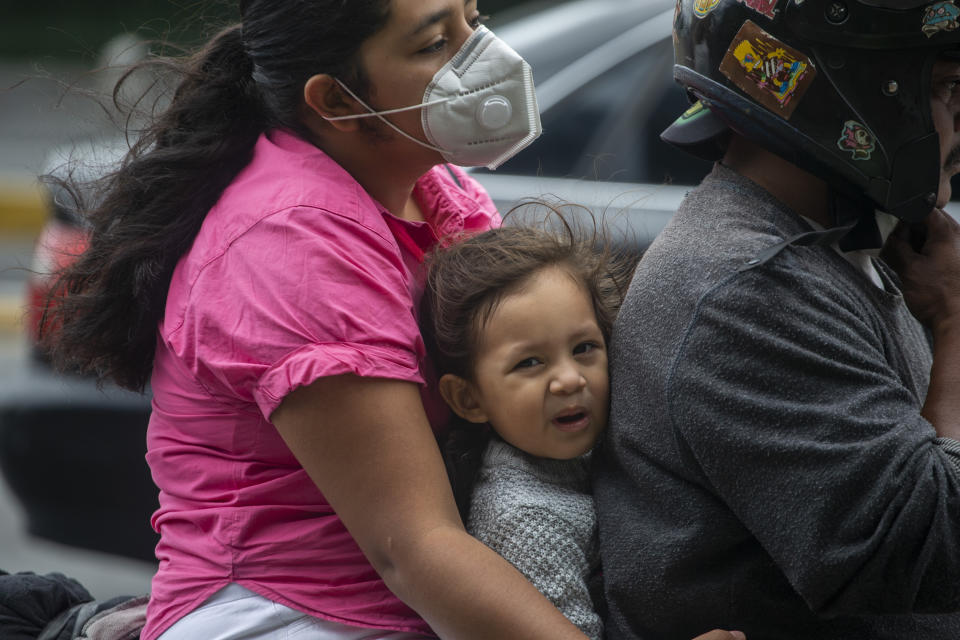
point(462, 34)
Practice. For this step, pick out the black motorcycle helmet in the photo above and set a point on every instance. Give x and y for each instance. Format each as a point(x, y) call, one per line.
point(840, 88)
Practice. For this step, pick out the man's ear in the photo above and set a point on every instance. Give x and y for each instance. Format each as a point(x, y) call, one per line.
point(462, 398)
point(325, 98)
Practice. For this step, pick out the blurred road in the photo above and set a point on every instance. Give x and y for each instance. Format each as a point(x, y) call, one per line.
point(103, 575)
point(37, 114)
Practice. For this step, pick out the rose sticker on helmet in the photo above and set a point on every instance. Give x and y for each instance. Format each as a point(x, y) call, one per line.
point(771, 72)
point(857, 140)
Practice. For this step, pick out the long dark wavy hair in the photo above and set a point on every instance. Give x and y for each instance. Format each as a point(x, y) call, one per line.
point(467, 281)
point(102, 315)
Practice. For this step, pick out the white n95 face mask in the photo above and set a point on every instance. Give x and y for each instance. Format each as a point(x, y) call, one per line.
point(480, 109)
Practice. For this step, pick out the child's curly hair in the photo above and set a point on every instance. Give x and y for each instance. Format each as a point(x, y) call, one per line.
point(465, 283)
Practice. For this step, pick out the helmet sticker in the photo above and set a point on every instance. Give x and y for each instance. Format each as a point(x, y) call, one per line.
point(765, 7)
point(702, 7)
point(696, 110)
point(941, 16)
point(771, 72)
point(857, 140)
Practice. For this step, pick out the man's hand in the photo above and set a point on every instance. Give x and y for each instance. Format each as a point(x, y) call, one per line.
point(930, 273)
point(717, 634)
point(931, 288)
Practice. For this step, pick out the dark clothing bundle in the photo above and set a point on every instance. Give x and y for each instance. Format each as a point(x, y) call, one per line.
point(55, 607)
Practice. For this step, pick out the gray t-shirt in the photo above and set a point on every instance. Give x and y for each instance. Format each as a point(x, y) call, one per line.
point(766, 467)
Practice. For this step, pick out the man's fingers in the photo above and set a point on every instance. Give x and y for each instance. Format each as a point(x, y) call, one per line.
point(897, 249)
point(718, 634)
point(940, 219)
point(941, 227)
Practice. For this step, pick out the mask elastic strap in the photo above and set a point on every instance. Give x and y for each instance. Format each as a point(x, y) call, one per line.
point(379, 114)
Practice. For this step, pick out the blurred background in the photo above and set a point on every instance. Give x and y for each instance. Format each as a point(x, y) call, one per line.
point(52, 52)
point(55, 67)
point(52, 79)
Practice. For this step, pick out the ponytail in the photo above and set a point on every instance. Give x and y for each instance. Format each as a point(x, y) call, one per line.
point(102, 314)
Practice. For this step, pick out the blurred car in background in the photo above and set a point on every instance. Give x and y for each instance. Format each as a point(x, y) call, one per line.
point(72, 453)
point(604, 76)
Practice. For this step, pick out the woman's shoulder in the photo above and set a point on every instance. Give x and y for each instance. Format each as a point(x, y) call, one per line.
point(287, 172)
point(291, 190)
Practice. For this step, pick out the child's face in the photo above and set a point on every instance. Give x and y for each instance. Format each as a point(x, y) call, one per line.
point(541, 376)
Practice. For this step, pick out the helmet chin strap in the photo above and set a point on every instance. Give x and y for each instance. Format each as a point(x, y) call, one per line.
point(865, 233)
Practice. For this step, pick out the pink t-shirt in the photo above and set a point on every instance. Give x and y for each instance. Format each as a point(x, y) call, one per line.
point(295, 275)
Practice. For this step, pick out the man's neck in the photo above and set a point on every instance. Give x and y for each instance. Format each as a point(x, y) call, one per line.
point(802, 192)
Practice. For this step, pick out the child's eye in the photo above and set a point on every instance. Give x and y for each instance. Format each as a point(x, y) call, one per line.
point(526, 363)
point(585, 347)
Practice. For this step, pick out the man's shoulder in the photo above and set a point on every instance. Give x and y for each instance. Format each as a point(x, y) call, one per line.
point(713, 234)
point(727, 211)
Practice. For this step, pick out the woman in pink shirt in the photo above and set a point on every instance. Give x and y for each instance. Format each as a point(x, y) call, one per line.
point(256, 260)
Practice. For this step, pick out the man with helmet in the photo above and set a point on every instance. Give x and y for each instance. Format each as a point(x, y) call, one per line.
point(784, 448)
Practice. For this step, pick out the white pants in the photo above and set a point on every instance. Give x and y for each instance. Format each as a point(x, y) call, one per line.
point(236, 613)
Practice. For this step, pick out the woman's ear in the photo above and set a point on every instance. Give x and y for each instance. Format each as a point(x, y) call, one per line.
point(325, 98)
point(462, 398)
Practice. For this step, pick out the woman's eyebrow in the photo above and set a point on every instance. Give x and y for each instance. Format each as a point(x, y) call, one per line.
point(434, 18)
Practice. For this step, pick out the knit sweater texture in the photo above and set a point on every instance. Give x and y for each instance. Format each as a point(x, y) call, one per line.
point(766, 466)
point(538, 514)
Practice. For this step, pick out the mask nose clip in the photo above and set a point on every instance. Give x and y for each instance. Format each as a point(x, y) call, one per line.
point(494, 113)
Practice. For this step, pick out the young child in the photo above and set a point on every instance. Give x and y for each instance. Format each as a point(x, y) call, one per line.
point(518, 320)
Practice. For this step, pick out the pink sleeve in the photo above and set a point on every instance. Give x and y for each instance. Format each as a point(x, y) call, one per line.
point(304, 294)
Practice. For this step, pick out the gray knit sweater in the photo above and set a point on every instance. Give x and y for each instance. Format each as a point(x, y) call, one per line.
point(766, 466)
point(538, 514)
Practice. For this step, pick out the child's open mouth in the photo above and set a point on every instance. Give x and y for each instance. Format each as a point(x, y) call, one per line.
point(572, 421)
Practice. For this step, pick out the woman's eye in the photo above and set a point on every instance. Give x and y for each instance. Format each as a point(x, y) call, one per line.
point(478, 20)
point(436, 47)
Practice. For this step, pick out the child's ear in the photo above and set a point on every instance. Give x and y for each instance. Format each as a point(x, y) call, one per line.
point(462, 398)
